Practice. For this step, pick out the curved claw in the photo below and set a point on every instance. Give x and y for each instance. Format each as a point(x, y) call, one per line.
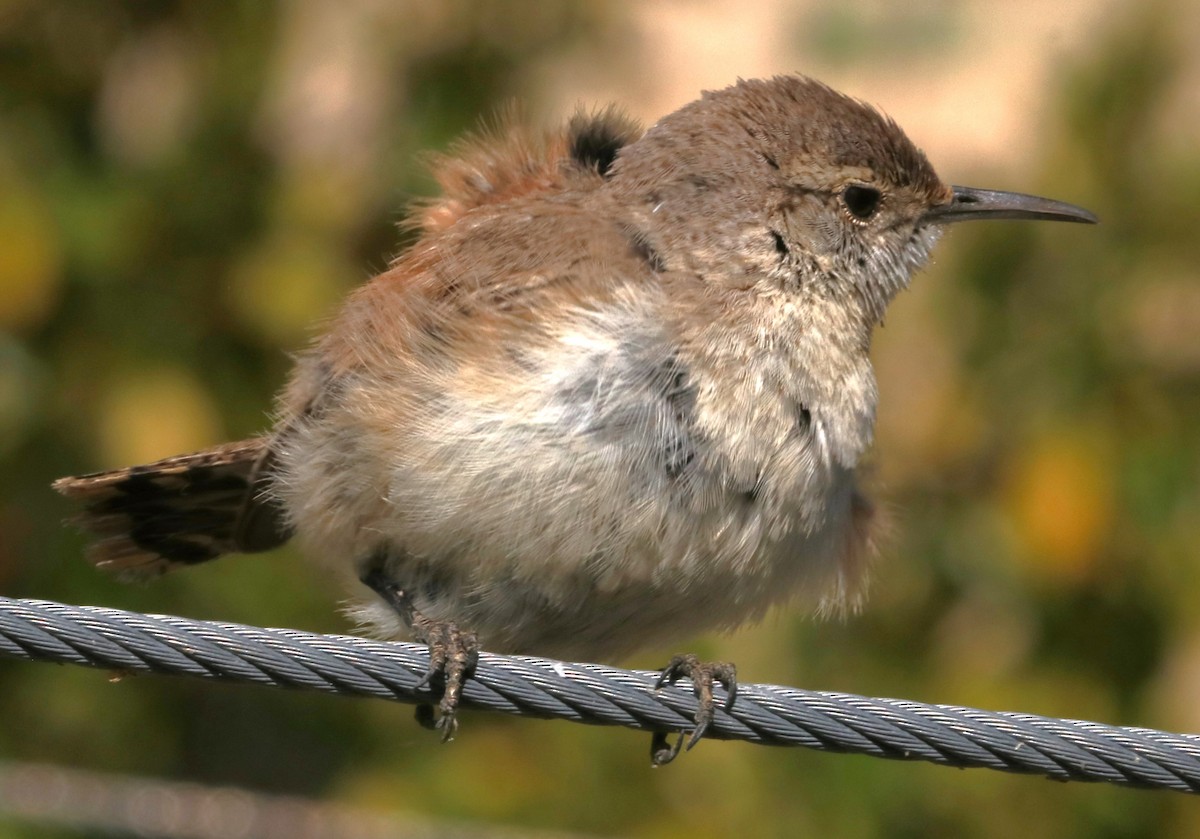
point(702, 674)
point(661, 751)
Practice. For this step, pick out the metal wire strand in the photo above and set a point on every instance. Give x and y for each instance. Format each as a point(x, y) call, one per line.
point(1065, 750)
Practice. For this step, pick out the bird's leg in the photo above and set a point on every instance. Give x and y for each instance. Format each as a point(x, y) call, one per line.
point(453, 653)
point(702, 674)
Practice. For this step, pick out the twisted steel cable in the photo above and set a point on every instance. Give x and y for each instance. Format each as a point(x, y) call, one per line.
point(1065, 750)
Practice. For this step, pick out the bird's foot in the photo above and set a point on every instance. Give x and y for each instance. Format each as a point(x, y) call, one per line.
point(453, 654)
point(703, 674)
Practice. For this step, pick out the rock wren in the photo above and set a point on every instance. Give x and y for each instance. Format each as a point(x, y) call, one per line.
point(613, 396)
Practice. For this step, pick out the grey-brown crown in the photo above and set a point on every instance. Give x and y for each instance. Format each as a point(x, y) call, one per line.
point(786, 122)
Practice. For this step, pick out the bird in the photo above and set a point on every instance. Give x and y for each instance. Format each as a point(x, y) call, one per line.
point(616, 393)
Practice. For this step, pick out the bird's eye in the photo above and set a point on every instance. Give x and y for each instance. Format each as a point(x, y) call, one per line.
point(861, 201)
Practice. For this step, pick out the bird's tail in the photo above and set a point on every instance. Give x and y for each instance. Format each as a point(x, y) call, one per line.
point(180, 511)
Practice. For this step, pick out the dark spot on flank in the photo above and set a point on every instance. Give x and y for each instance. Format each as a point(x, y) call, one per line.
point(803, 419)
point(781, 247)
point(594, 142)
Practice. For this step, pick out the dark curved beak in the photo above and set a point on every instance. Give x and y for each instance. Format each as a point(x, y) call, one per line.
point(969, 203)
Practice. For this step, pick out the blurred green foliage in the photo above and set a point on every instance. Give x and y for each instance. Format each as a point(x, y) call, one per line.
point(174, 219)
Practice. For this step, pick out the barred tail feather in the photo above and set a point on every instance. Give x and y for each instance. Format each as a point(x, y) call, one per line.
point(179, 511)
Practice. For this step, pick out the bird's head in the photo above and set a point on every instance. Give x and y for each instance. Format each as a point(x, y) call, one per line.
point(785, 185)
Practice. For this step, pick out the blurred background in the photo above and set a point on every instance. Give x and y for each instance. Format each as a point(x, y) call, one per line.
point(186, 190)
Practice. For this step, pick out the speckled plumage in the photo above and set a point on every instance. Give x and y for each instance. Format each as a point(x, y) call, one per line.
point(617, 391)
